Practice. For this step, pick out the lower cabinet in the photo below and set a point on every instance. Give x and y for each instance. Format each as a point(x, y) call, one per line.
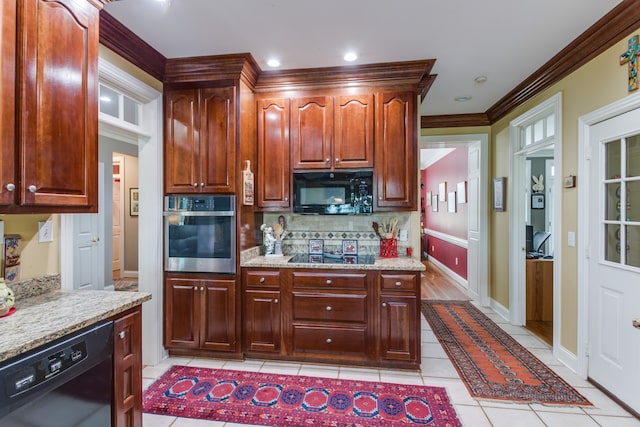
point(200, 314)
point(127, 369)
point(364, 317)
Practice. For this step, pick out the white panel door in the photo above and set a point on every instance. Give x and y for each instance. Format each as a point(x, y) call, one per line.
point(86, 268)
point(614, 263)
point(474, 251)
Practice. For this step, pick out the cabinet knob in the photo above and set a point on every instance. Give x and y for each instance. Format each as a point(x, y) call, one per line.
point(329, 340)
point(195, 184)
point(337, 160)
point(398, 283)
point(32, 188)
point(384, 304)
point(327, 160)
point(329, 308)
point(122, 334)
point(262, 280)
point(10, 186)
point(379, 197)
point(275, 301)
point(201, 288)
point(328, 281)
point(202, 184)
point(286, 199)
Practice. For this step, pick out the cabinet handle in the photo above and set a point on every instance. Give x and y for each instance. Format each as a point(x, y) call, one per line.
point(329, 308)
point(384, 304)
point(32, 188)
point(122, 334)
point(398, 283)
point(10, 186)
point(275, 300)
point(329, 340)
point(262, 280)
point(328, 281)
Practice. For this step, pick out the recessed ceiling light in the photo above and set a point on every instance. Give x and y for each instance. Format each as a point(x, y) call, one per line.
point(350, 56)
point(464, 98)
point(273, 63)
point(480, 79)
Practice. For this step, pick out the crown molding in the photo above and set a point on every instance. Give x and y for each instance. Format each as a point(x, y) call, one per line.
point(128, 45)
point(620, 21)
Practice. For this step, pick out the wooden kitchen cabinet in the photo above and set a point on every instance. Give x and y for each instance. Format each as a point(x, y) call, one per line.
point(273, 179)
point(50, 164)
point(399, 317)
point(200, 140)
point(127, 371)
point(330, 132)
point(396, 151)
point(262, 314)
point(200, 314)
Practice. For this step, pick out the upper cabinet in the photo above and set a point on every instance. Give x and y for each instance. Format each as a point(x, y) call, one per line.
point(330, 132)
point(49, 141)
point(396, 150)
point(200, 140)
point(274, 174)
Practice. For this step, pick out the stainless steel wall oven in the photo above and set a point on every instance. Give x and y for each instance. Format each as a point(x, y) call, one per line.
point(200, 233)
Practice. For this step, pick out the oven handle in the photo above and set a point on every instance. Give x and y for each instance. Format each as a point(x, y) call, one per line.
point(199, 213)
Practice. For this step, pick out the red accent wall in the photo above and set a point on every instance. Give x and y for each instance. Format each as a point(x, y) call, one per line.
point(451, 169)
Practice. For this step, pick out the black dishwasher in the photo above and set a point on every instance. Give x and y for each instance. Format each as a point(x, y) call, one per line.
point(67, 383)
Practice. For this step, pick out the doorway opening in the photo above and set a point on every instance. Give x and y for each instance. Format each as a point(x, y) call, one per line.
point(534, 220)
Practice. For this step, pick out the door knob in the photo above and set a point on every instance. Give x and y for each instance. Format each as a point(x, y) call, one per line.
point(636, 323)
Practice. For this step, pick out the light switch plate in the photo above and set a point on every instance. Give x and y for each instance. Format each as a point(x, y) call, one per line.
point(571, 239)
point(45, 231)
point(403, 235)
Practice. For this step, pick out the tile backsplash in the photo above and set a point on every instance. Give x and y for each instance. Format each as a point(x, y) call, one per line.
point(333, 229)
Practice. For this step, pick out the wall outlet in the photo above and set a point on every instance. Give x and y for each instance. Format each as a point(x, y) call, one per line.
point(456, 260)
point(45, 231)
point(404, 235)
point(433, 248)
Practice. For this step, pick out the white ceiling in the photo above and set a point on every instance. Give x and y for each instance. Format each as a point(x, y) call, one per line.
point(504, 40)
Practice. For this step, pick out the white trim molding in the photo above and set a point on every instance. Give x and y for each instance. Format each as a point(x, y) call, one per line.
point(463, 243)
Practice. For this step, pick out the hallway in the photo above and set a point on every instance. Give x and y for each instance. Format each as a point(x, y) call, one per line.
point(436, 370)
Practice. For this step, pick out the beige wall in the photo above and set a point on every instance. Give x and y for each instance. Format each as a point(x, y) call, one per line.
point(130, 222)
point(37, 259)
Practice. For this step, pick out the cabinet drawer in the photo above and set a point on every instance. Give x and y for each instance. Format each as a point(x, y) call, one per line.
point(403, 282)
point(342, 341)
point(263, 278)
point(330, 307)
point(324, 280)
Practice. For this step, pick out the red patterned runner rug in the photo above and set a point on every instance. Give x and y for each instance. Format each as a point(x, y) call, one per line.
point(295, 401)
point(490, 362)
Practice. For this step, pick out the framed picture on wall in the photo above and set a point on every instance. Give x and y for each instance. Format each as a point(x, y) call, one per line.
point(133, 202)
point(428, 198)
point(537, 201)
point(499, 194)
point(434, 203)
point(462, 192)
point(442, 191)
point(451, 202)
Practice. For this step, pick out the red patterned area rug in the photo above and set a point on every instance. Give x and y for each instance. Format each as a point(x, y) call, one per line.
point(295, 401)
point(490, 362)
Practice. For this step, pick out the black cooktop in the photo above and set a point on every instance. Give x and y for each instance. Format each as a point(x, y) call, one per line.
point(333, 259)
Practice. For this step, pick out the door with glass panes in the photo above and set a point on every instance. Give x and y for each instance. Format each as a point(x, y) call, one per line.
point(614, 262)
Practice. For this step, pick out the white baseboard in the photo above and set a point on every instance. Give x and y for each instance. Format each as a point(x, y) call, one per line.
point(450, 273)
point(569, 359)
point(129, 273)
point(499, 309)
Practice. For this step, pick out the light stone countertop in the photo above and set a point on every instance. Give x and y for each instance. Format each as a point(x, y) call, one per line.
point(41, 319)
point(399, 263)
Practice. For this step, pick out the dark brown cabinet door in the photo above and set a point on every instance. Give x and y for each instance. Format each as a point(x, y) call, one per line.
point(353, 131)
point(127, 372)
point(58, 103)
point(398, 328)
point(274, 172)
point(200, 140)
point(218, 315)
point(8, 180)
point(396, 150)
point(182, 145)
point(217, 140)
point(311, 132)
point(182, 313)
point(262, 320)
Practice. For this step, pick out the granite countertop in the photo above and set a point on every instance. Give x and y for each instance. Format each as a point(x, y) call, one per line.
point(399, 263)
point(41, 319)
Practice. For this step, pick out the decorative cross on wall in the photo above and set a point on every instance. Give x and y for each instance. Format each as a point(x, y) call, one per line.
point(631, 57)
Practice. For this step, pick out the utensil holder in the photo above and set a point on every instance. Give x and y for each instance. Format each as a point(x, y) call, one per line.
point(389, 248)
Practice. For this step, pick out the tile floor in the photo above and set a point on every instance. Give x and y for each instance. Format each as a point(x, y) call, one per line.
point(437, 370)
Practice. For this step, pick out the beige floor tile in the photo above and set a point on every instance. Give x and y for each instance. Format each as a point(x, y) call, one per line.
point(561, 419)
point(440, 368)
point(322, 371)
point(433, 350)
point(280, 368)
point(502, 417)
point(456, 390)
point(606, 421)
point(472, 416)
point(190, 422)
point(349, 373)
point(157, 420)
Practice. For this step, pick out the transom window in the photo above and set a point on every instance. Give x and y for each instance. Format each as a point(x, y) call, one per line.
point(540, 131)
point(119, 106)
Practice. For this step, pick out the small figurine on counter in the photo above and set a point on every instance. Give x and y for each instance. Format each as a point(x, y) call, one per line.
point(6, 298)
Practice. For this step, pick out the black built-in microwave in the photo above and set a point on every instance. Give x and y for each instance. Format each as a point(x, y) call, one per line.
point(333, 193)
